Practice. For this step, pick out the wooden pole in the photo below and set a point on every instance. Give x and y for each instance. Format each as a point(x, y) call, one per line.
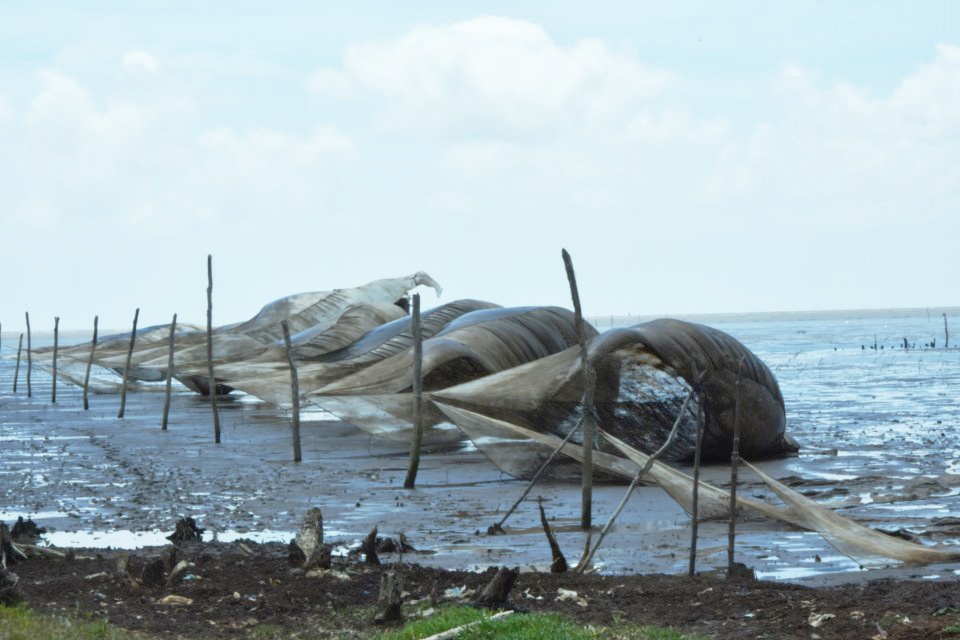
point(695, 507)
point(212, 381)
point(16, 372)
point(86, 376)
point(29, 359)
point(166, 402)
point(294, 392)
point(411, 479)
point(126, 368)
point(585, 561)
point(734, 467)
point(586, 513)
point(56, 344)
point(946, 333)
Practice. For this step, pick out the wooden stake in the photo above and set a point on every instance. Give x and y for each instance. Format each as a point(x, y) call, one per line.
point(16, 372)
point(294, 392)
point(498, 527)
point(126, 368)
point(587, 557)
point(695, 507)
point(29, 359)
point(56, 344)
point(411, 479)
point(211, 379)
point(946, 333)
point(86, 376)
point(166, 402)
point(586, 513)
point(734, 467)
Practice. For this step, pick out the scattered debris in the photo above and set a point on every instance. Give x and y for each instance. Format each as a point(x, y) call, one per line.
point(817, 619)
point(175, 600)
point(572, 596)
point(456, 631)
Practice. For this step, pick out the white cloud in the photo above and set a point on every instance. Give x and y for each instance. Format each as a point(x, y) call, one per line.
point(856, 161)
point(330, 82)
point(500, 71)
point(6, 111)
point(37, 213)
point(139, 61)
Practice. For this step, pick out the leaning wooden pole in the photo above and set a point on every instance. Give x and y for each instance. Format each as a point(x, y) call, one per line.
point(411, 479)
point(586, 513)
point(86, 375)
point(16, 372)
point(695, 506)
point(126, 368)
point(294, 392)
point(211, 380)
point(29, 360)
point(946, 333)
point(56, 346)
point(166, 401)
point(734, 467)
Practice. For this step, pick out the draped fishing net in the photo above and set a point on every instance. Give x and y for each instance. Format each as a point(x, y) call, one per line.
point(508, 378)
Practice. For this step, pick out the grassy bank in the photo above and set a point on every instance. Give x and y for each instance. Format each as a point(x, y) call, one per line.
point(20, 623)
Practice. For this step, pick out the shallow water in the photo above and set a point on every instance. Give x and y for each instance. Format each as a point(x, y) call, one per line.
point(879, 430)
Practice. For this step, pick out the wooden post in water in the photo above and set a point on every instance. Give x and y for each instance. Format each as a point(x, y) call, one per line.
point(946, 333)
point(212, 381)
point(56, 344)
point(586, 513)
point(29, 359)
point(86, 376)
point(695, 507)
point(166, 402)
point(734, 467)
point(16, 372)
point(294, 392)
point(126, 368)
point(411, 479)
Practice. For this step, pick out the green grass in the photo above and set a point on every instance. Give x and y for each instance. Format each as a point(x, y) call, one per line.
point(521, 626)
point(20, 623)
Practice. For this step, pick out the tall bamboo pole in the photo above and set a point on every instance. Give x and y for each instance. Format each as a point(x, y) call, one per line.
point(695, 507)
point(294, 392)
point(586, 513)
point(411, 479)
point(166, 402)
point(56, 344)
point(29, 359)
point(126, 368)
point(212, 381)
point(734, 468)
point(946, 333)
point(86, 376)
point(16, 372)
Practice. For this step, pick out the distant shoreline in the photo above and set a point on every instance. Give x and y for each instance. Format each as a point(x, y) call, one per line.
point(935, 314)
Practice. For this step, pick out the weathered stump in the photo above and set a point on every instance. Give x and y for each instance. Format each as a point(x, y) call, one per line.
point(390, 601)
point(559, 562)
point(497, 591)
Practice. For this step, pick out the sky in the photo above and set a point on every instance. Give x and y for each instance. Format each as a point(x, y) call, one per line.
point(693, 157)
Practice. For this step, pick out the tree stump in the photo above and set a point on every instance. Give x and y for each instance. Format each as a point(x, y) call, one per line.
point(186, 531)
point(559, 562)
point(498, 589)
point(390, 601)
point(369, 548)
